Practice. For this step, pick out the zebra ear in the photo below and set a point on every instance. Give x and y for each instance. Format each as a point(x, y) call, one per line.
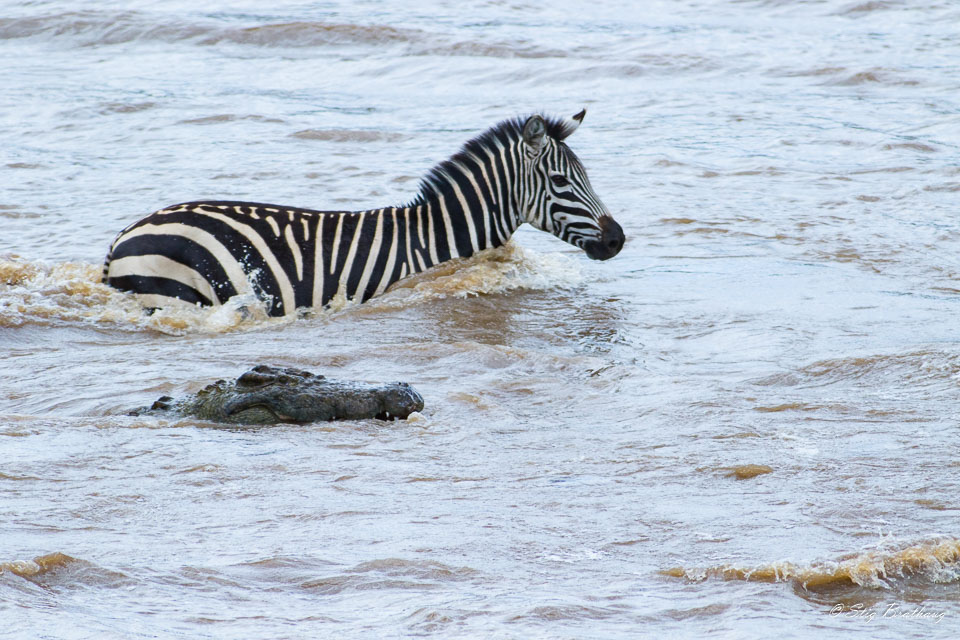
point(535, 132)
point(570, 124)
point(578, 118)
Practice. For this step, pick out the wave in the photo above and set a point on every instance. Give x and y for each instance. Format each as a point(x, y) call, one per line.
point(555, 613)
point(383, 573)
point(348, 135)
point(916, 368)
point(845, 77)
point(37, 292)
point(869, 7)
point(90, 28)
point(874, 76)
point(935, 562)
point(59, 569)
point(38, 566)
point(94, 28)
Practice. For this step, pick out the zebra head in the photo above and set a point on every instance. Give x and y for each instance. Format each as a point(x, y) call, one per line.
point(556, 195)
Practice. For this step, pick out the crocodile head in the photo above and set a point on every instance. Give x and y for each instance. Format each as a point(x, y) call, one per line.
point(269, 395)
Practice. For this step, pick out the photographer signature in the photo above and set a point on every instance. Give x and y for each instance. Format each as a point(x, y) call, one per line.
point(860, 611)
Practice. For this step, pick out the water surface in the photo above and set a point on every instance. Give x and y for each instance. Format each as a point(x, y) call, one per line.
point(746, 420)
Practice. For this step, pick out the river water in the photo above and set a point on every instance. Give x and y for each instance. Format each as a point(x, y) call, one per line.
point(744, 424)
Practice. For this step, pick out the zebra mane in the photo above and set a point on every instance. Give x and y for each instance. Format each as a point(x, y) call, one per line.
point(437, 183)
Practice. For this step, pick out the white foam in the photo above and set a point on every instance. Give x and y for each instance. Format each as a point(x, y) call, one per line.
point(500, 270)
point(48, 293)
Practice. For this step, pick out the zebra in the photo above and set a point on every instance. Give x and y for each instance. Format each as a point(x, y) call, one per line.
point(521, 170)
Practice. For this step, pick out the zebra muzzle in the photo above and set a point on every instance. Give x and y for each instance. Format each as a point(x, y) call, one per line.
point(610, 242)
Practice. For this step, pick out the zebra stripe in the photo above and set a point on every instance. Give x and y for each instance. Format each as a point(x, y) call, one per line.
point(318, 263)
point(233, 281)
point(387, 272)
point(280, 277)
point(519, 171)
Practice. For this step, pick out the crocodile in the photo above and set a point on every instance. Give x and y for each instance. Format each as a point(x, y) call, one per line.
point(271, 395)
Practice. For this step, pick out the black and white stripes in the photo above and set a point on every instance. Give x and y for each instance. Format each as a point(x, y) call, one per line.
point(207, 252)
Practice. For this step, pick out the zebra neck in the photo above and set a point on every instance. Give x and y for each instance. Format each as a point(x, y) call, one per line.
point(445, 227)
point(360, 254)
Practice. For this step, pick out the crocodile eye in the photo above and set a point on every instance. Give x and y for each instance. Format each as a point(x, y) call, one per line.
point(560, 181)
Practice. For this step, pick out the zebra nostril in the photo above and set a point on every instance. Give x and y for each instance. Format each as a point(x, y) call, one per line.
point(612, 240)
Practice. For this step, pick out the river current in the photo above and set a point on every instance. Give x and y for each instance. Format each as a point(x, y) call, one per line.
point(743, 425)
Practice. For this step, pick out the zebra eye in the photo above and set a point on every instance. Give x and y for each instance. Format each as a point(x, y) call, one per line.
point(560, 181)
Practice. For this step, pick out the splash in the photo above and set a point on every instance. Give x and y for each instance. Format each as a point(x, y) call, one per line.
point(936, 561)
point(494, 271)
point(36, 292)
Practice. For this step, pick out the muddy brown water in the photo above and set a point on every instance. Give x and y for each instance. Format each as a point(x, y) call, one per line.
point(745, 421)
